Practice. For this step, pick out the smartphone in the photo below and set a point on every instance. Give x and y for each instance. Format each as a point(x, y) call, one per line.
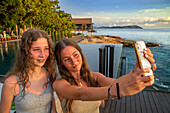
point(139, 47)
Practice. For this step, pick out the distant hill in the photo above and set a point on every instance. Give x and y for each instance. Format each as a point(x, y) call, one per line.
point(120, 27)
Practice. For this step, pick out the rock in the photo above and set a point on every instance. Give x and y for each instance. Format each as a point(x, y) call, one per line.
point(113, 40)
point(117, 37)
point(151, 44)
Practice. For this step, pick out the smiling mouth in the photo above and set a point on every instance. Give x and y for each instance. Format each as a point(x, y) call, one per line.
point(41, 61)
point(75, 66)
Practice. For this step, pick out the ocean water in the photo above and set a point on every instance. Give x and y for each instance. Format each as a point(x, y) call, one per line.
point(161, 54)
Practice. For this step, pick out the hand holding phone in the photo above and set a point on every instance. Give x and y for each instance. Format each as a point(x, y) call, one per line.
point(139, 47)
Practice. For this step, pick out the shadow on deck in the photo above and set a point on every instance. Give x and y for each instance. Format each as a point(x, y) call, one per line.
point(143, 102)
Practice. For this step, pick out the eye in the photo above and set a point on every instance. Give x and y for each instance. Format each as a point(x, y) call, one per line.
point(66, 59)
point(76, 55)
point(35, 49)
point(47, 48)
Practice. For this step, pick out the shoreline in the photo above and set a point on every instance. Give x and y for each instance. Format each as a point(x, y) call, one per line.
point(109, 39)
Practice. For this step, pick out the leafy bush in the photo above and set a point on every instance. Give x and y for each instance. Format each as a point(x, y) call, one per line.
point(73, 34)
point(1, 31)
point(80, 34)
point(7, 35)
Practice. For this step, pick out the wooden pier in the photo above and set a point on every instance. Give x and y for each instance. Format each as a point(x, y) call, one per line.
point(143, 102)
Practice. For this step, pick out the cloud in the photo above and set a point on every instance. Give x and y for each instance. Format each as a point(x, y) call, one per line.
point(123, 21)
point(148, 25)
point(89, 13)
point(166, 9)
point(143, 18)
point(164, 12)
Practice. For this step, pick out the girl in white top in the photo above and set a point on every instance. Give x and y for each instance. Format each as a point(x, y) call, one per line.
point(77, 82)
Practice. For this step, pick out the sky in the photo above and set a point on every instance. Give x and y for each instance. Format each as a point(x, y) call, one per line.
point(144, 13)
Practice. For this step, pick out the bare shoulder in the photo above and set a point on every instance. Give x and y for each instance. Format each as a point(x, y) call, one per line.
point(60, 83)
point(10, 80)
point(11, 85)
point(60, 86)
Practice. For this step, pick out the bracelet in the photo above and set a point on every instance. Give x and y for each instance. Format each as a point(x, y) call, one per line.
point(118, 93)
point(109, 95)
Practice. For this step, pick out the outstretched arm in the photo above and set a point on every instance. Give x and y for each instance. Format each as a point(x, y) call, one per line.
point(133, 82)
point(130, 84)
point(66, 90)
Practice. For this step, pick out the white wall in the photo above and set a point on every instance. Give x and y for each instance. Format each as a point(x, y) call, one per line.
point(91, 52)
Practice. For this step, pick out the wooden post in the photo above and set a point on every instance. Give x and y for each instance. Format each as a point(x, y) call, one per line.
point(16, 27)
point(91, 31)
point(24, 28)
point(9, 31)
point(56, 34)
point(62, 34)
point(53, 35)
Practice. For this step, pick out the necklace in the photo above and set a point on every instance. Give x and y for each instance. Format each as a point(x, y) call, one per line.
point(80, 84)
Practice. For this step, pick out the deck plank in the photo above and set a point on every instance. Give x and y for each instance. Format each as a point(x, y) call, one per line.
point(157, 104)
point(117, 108)
point(165, 102)
point(113, 106)
point(107, 110)
point(161, 102)
point(138, 105)
point(123, 105)
point(147, 103)
point(132, 104)
point(167, 95)
point(152, 102)
point(128, 104)
point(143, 102)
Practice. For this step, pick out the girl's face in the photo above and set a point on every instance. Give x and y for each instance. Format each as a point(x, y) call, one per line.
point(71, 59)
point(40, 51)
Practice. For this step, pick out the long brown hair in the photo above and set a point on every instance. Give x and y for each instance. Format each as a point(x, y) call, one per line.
point(23, 61)
point(85, 71)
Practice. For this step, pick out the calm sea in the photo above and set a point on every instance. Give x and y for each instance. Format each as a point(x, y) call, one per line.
point(161, 54)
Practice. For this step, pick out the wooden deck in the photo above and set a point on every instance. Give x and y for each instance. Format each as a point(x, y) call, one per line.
point(143, 102)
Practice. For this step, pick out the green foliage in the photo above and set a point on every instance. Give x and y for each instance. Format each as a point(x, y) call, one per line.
point(74, 34)
point(7, 35)
point(1, 30)
point(44, 14)
point(10, 12)
point(80, 34)
point(69, 34)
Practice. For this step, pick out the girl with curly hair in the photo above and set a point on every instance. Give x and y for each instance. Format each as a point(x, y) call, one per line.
point(29, 81)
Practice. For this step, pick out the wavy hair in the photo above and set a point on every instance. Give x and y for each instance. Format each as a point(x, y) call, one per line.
point(85, 71)
point(24, 62)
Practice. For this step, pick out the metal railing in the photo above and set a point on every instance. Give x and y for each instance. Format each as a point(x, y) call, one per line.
point(124, 66)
